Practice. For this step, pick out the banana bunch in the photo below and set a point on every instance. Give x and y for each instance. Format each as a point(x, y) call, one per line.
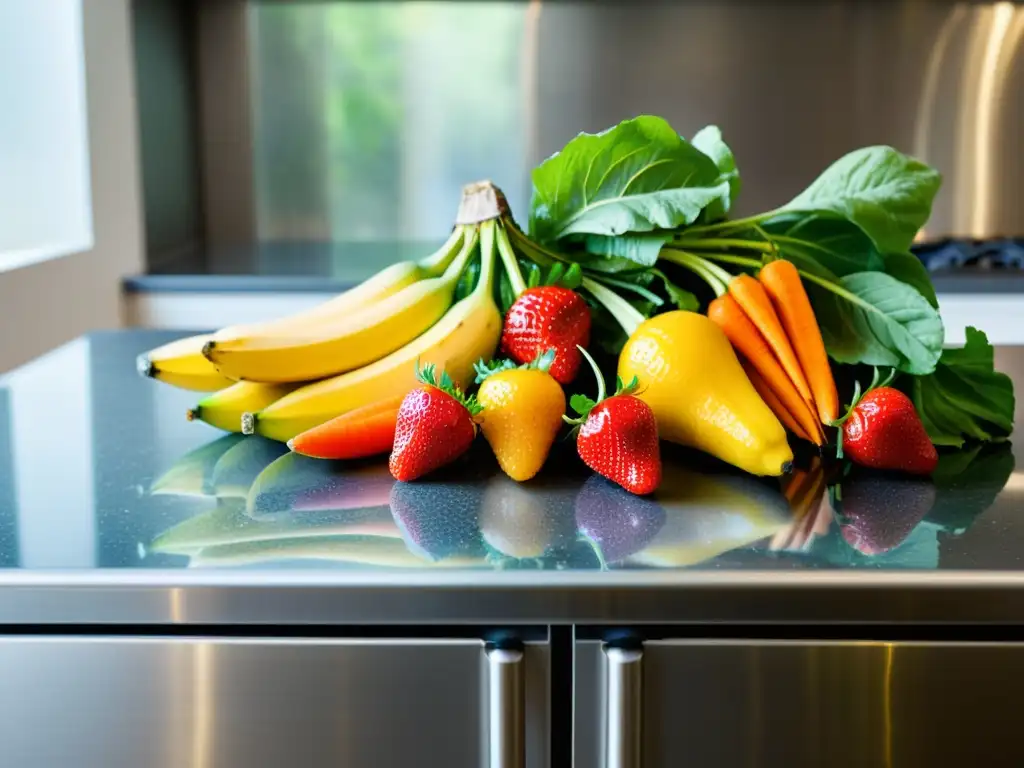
point(280, 378)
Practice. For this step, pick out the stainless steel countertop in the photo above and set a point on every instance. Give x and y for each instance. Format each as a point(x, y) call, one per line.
point(114, 509)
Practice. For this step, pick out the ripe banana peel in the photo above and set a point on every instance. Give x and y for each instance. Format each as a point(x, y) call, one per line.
point(181, 364)
point(469, 331)
point(343, 341)
point(385, 283)
point(224, 409)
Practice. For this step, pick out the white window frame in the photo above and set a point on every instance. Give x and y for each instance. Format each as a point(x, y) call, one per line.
point(52, 301)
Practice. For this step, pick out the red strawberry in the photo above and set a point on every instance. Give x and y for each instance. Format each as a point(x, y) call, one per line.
point(548, 317)
point(883, 431)
point(434, 427)
point(619, 436)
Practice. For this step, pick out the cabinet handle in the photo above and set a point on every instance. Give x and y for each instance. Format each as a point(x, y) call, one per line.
point(624, 696)
point(507, 730)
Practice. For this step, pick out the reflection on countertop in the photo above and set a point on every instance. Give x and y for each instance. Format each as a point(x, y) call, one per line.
point(126, 482)
point(256, 504)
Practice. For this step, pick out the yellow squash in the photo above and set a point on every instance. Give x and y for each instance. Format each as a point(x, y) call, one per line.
point(693, 381)
point(522, 413)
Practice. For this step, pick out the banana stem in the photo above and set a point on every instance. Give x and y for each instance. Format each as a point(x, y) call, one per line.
point(487, 270)
point(508, 257)
point(625, 314)
point(437, 262)
point(465, 255)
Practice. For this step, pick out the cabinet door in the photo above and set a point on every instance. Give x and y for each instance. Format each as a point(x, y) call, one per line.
point(707, 704)
point(219, 703)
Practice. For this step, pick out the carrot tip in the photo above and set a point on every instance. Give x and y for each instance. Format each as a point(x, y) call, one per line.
point(290, 444)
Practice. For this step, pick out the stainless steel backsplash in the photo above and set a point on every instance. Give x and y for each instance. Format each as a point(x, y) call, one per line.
point(795, 85)
point(369, 116)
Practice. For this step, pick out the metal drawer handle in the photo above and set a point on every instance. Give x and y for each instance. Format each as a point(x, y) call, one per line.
point(623, 685)
point(507, 730)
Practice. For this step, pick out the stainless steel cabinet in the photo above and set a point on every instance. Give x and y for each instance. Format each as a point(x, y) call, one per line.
point(213, 703)
point(704, 704)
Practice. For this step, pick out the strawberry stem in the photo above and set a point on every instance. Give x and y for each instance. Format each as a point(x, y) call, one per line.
point(582, 404)
point(876, 383)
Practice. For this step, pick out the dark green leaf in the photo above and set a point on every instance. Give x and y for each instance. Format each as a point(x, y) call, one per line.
point(572, 278)
point(874, 319)
point(884, 192)
point(709, 141)
point(682, 298)
point(635, 177)
point(966, 398)
point(827, 239)
point(907, 267)
point(533, 275)
point(581, 404)
point(555, 274)
point(506, 294)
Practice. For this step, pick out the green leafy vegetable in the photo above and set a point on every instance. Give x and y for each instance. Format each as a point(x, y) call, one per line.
point(709, 141)
point(873, 318)
point(838, 245)
point(636, 177)
point(882, 191)
point(966, 398)
point(638, 248)
point(906, 267)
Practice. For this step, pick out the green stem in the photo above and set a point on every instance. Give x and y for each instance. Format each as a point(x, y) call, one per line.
point(739, 261)
point(722, 226)
point(437, 262)
point(716, 277)
point(515, 275)
point(716, 243)
point(487, 270)
point(457, 267)
point(625, 285)
point(624, 313)
point(533, 251)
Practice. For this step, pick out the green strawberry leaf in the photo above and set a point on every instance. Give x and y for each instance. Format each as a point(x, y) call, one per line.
point(582, 404)
point(627, 389)
point(427, 375)
point(542, 362)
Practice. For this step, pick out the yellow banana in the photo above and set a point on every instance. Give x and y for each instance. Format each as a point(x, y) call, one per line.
point(181, 363)
point(343, 342)
point(385, 283)
point(468, 332)
point(224, 409)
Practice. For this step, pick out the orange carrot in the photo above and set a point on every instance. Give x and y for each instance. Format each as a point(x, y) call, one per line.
point(365, 431)
point(782, 282)
point(751, 295)
point(772, 400)
point(727, 314)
